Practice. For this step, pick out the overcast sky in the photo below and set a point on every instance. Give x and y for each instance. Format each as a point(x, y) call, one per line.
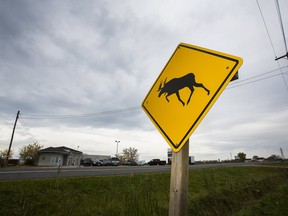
point(78, 72)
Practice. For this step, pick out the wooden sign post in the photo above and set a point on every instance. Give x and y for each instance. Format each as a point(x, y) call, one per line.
point(178, 203)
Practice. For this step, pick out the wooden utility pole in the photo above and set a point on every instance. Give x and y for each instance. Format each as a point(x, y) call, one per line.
point(178, 203)
point(9, 149)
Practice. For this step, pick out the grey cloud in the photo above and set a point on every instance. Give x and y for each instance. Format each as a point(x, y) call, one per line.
point(70, 58)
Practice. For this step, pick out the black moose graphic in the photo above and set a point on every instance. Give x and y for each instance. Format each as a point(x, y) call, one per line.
point(174, 85)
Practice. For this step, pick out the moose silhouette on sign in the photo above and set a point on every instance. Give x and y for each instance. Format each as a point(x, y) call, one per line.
point(174, 85)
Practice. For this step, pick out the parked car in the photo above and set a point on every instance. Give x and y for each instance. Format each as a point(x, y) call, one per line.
point(156, 162)
point(113, 161)
point(130, 163)
point(92, 162)
point(141, 163)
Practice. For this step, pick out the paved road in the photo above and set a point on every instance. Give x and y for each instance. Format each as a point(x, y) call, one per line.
point(32, 173)
point(11, 173)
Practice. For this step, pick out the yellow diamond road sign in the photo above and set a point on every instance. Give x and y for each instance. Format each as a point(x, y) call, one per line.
point(186, 89)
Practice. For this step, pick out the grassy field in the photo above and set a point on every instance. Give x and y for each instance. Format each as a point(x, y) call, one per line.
point(220, 191)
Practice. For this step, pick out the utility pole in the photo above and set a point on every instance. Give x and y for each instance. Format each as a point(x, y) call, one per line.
point(117, 141)
point(8, 152)
point(282, 154)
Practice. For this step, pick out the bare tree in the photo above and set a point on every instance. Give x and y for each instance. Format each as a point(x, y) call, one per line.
point(3, 154)
point(130, 154)
point(29, 153)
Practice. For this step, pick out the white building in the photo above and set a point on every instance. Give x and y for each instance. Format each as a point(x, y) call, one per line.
point(55, 156)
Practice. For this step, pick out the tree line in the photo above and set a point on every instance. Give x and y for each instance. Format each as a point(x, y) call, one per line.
point(28, 153)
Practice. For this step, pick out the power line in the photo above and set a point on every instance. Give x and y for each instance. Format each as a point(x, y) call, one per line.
point(109, 112)
point(263, 74)
point(26, 128)
point(282, 29)
point(284, 38)
point(266, 28)
point(272, 43)
point(254, 81)
point(128, 109)
point(281, 23)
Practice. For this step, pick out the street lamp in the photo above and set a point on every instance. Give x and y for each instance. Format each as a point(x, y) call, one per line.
point(117, 141)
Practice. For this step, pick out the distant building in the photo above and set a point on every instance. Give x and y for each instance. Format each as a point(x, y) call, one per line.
point(247, 160)
point(55, 156)
point(257, 159)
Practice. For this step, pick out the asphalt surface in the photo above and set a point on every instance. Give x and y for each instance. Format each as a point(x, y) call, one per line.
point(54, 172)
point(20, 173)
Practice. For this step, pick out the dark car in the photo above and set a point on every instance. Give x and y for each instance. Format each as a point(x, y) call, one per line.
point(156, 162)
point(130, 163)
point(92, 162)
point(114, 161)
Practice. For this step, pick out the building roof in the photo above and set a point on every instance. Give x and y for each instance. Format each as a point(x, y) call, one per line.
point(61, 150)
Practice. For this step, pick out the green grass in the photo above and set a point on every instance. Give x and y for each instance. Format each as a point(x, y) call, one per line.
point(280, 164)
point(222, 191)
